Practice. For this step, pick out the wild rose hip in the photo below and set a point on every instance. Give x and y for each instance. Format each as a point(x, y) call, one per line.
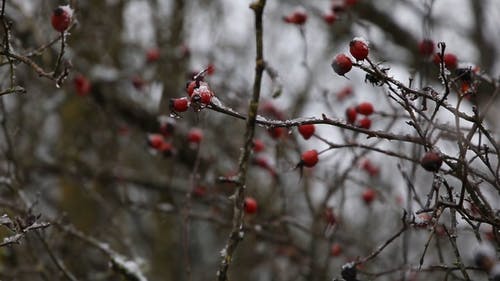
point(369, 195)
point(179, 105)
point(152, 55)
point(61, 18)
point(365, 108)
point(350, 114)
point(276, 133)
point(426, 47)
point(299, 17)
point(365, 123)
point(250, 205)
point(195, 135)
point(450, 60)
point(358, 49)
point(341, 64)
point(82, 85)
point(431, 161)
point(336, 250)
point(309, 158)
point(307, 130)
point(258, 145)
point(329, 18)
point(155, 140)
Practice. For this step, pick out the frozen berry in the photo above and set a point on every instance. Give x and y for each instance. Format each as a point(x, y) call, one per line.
point(307, 130)
point(450, 60)
point(299, 17)
point(195, 135)
point(152, 55)
point(82, 85)
point(179, 105)
point(155, 140)
point(426, 47)
point(329, 18)
point(431, 161)
point(336, 250)
point(370, 168)
point(365, 123)
point(277, 132)
point(341, 64)
point(310, 158)
point(359, 49)
point(344, 93)
point(365, 108)
point(250, 205)
point(351, 114)
point(369, 195)
point(61, 18)
point(258, 145)
point(211, 69)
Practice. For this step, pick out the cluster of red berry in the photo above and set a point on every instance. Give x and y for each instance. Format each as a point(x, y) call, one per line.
point(159, 142)
point(199, 94)
point(358, 48)
point(299, 15)
point(426, 48)
point(364, 108)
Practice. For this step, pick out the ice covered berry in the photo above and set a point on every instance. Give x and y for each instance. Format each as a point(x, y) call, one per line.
point(358, 49)
point(341, 64)
point(369, 195)
point(351, 114)
point(431, 161)
point(179, 105)
point(365, 123)
point(365, 108)
point(61, 18)
point(250, 205)
point(307, 130)
point(310, 158)
point(426, 47)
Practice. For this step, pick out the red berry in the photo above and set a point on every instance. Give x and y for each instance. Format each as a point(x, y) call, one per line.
point(307, 130)
point(195, 135)
point(359, 49)
point(370, 168)
point(351, 114)
point(258, 145)
point(329, 18)
point(341, 64)
point(344, 93)
point(310, 158)
point(277, 132)
point(261, 162)
point(365, 108)
point(152, 54)
point(82, 85)
point(426, 47)
point(179, 105)
point(206, 96)
point(211, 69)
point(450, 60)
point(190, 86)
point(299, 17)
point(155, 140)
point(166, 148)
point(365, 123)
point(61, 18)
point(369, 195)
point(250, 205)
point(336, 250)
point(431, 161)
